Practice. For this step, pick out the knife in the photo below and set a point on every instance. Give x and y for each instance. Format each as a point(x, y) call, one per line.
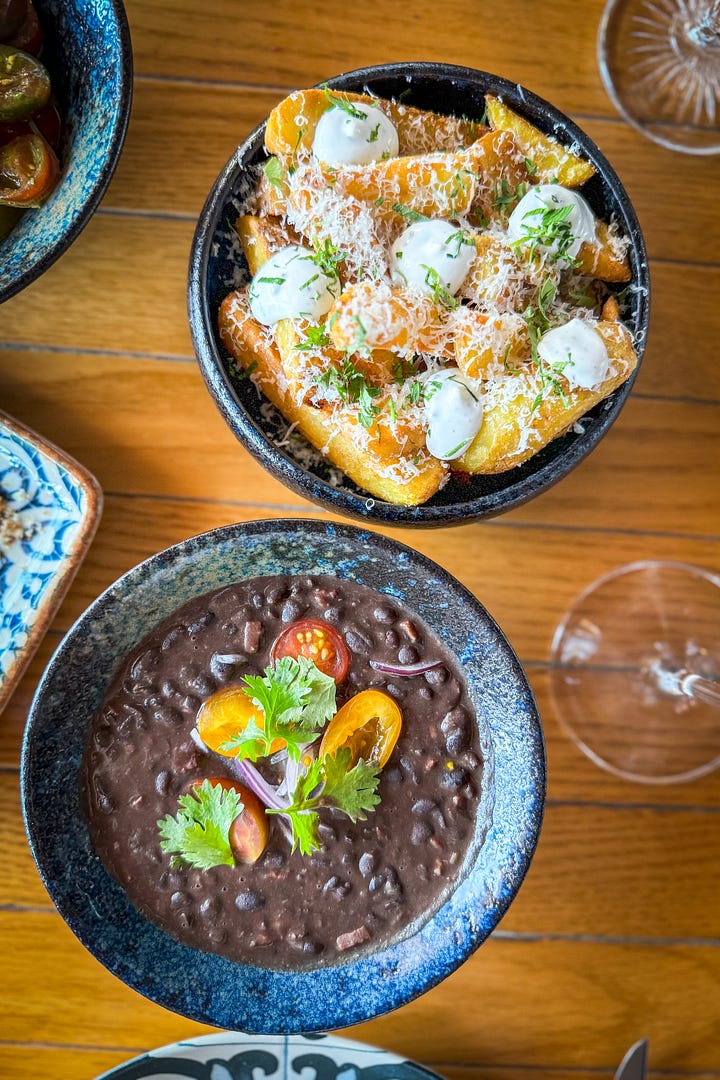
point(634, 1065)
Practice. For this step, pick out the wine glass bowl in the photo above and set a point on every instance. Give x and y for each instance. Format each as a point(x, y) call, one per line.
point(636, 664)
point(660, 62)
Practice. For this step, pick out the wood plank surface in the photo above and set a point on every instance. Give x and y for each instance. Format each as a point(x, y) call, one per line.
point(597, 984)
point(155, 404)
point(615, 933)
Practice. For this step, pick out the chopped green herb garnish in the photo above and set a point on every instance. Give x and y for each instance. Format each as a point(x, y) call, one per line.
point(373, 136)
point(292, 167)
point(342, 101)
point(530, 166)
point(274, 173)
point(458, 239)
point(538, 322)
point(440, 293)
point(379, 201)
point(552, 231)
point(316, 337)
point(328, 257)
point(352, 388)
point(408, 213)
point(197, 836)
point(271, 281)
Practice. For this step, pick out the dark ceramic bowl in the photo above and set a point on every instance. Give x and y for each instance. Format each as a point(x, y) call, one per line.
point(87, 52)
point(208, 987)
point(443, 88)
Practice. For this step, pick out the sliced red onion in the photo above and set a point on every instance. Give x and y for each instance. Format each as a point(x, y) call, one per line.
point(405, 670)
point(229, 658)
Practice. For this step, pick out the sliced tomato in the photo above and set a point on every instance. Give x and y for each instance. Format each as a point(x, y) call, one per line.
point(368, 725)
point(319, 642)
point(28, 171)
point(226, 714)
point(249, 831)
point(24, 84)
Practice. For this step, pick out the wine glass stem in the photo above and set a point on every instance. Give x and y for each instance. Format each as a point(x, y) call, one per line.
point(707, 690)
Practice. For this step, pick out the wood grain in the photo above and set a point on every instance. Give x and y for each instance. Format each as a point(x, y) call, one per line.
point(156, 404)
point(598, 985)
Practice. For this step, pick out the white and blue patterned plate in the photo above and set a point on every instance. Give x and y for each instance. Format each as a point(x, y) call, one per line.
point(234, 1056)
point(57, 504)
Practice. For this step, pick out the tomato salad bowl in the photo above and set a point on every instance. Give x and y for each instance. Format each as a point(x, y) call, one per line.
point(311, 926)
point(59, 144)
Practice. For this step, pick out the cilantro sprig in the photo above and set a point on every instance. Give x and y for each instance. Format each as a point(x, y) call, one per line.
point(297, 700)
point(328, 782)
point(197, 836)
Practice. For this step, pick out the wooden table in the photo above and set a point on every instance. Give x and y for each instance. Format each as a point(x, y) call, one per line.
point(616, 932)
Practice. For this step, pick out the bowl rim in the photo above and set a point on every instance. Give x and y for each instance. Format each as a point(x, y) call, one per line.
point(115, 133)
point(285, 468)
point(327, 997)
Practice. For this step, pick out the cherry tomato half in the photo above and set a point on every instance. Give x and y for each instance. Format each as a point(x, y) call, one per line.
point(249, 831)
point(24, 84)
point(319, 642)
point(28, 171)
point(368, 725)
point(226, 714)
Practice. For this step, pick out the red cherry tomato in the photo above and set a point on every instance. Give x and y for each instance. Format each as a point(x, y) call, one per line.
point(249, 831)
point(319, 642)
point(28, 171)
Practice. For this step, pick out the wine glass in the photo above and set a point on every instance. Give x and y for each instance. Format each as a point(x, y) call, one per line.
point(660, 62)
point(635, 673)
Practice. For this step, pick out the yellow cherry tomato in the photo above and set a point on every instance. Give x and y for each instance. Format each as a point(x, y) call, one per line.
point(368, 725)
point(226, 714)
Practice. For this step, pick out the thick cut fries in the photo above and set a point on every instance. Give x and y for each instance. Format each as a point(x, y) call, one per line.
point(364, 381)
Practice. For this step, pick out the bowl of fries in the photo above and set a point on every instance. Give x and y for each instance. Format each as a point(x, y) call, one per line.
point(462, 381)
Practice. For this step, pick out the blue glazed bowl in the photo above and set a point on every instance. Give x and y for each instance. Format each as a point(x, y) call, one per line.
point(444, 88)
point(208, 987)
point(88, 54)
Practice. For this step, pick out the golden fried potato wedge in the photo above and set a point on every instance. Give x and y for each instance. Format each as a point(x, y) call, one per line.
point(260, 237)
point(499, 163)
point(499, 277)
point(406, 479)
point(434, 185)
point(291, 125)
point(486, 345)
point(512, 430)
point(604, 259)
point(375, 315)
point(550, 158)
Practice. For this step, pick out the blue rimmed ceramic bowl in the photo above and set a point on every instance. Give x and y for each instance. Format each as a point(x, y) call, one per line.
point(88, 54)
point(443, 88)
point(208, 987)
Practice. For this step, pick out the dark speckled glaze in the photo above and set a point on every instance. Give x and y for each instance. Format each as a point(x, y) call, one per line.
point(87, 51)
point(443, 88)
point(208, 987)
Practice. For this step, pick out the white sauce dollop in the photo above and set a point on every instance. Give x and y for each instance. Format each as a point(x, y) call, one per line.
point(288, 285)
point(454, 412)
point(579, 352)
point(553, 197)
point(430, 248)
point(342, 138)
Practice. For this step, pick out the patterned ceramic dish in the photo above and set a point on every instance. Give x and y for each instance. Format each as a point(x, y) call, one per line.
point(88, 54)
point(52, 510)
point(444, 88)
point(227, 1056)
point(208, 987)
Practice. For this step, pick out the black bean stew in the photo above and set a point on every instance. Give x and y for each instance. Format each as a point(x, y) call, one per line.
point(372, 880)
